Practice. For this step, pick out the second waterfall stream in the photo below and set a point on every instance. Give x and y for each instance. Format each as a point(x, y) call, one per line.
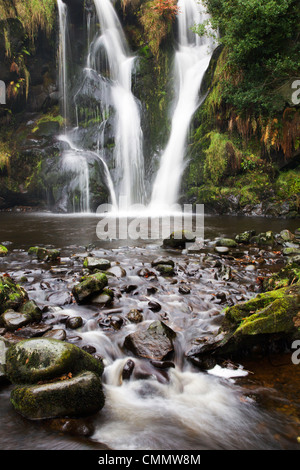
point(191, 61)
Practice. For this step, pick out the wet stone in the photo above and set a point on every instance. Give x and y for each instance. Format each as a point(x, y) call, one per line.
point(13, 320)
point(154, 341)
point(154, 306)
point(74, 322)
point(92, 263)
point(58, 334)
point(135, 316)
point(165, 269)
point(163, 261)
point(184, 290)
point(33, 331)
point(117, 271)
point(128, 369)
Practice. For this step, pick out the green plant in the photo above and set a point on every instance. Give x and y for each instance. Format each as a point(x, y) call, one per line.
point(33, 14)
point(157, 17)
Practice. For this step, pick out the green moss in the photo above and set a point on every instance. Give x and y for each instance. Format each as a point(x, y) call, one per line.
point(277, 317)
point(234, 315)
point(288, 184)
point(44, 254)
point(33, 360)
point(48, 119)
point(3, 250)
point(12, 296)
point(33, 14)
point(76, 396)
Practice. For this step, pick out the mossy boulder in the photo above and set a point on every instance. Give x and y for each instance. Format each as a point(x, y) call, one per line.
point(287, 276)
point(4, 345)
point(179, 238)
point(31, 310)
point(271, 318)
point(165, 269)
point(80, 395)
point(44, 254)
point(287, 236)
point(291, 250)
point(264, 239)
point(40, 359)
point(89, 286)
point(244, 237)
point(3, 251)
point(227, 242)
point(12, 295)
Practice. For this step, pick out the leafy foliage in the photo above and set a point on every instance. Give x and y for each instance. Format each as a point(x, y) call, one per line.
point(262, 47)
point(33, 14)
point(156, 18)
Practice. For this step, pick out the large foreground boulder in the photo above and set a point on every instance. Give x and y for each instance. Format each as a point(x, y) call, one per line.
point(54, 379)
point(40, 359)
point(72, 396)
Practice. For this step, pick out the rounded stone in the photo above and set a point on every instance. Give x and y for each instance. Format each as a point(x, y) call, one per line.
point(72, 396)
point(33, 360)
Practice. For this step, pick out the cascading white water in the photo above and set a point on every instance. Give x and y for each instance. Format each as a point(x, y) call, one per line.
point(62, 56)
point(128, 153)
point(191, 61)
point(73, 160)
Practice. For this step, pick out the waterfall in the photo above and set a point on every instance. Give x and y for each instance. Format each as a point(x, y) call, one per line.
point(74, 160)
point(191, 61)
point(62, 55)
point(108, 77)
point(128, 154)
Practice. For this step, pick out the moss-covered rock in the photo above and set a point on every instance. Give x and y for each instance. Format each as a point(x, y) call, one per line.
point(12, 295)
point(33, 360)
point(165, 270)
point(179, 238)
point(71, 396)
point(228, 242)
point(31, 310)
point(90, 285)
point(4, 345)
point(3, 251)
point(44, 254)
point(269, 318)
point(244, 237)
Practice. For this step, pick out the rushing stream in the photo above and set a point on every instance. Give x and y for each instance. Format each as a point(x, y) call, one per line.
point(252, 406)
